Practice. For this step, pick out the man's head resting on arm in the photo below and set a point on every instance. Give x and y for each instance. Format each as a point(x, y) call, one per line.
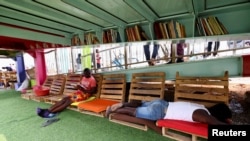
point(221, 112)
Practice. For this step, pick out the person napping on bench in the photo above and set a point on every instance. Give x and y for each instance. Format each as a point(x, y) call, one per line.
point(86, 88)
point(218, 114)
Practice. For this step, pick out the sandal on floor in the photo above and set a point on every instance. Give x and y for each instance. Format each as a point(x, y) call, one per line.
point(50, 121)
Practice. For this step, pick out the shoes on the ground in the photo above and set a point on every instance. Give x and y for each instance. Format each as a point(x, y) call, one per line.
point(44, 113)
point(50, 121)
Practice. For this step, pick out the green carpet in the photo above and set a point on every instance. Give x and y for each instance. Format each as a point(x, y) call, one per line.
point(19, 122)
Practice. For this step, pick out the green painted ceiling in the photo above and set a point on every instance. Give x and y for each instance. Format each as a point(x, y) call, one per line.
point(56, 21)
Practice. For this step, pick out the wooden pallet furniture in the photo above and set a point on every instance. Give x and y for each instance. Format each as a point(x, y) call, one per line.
point(56, 88)
point(9, 77)
point(202, 90)
point(71, 81)
point(112, 91)
point(144, 87)
point(47, 83)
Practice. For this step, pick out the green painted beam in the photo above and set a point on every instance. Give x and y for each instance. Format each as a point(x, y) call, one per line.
point(77, 12)
point(54, 15)
point(32, 35)
point(212, 67)
point(85, 6)
point(35, 20)
point(33, 26)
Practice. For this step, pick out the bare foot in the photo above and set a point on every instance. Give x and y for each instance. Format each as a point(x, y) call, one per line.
point(116, 106)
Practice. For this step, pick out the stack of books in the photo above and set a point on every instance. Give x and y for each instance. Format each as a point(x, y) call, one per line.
point(111, 36)
point(135, 33)
point(169, 30)
point(210, 26)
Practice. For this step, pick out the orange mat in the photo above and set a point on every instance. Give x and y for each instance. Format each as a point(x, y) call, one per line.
point(97, 105)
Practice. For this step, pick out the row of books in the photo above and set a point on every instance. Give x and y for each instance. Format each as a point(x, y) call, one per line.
point(75, 40)
point(111, 36)
point(163, 30)
point(90, 38)
point(135, 33)
point(169, 30)
point(210, 26)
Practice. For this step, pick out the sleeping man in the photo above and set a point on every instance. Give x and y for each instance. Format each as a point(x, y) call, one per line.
point(218, 114)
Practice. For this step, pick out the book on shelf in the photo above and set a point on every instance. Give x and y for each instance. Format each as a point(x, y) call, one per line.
point(211, 26)
point(90, 38)
point(183, 31)
point(75, 40)
point(157, 30)
point(136, 33)
point(211, 31)
point(170, 29)
point(219, 25)
point(166, 30)
point(214, 25)
point(110, 36)
point(163, 31)
point(200, 23)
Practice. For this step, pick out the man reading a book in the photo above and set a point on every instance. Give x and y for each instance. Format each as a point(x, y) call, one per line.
point(85, 89)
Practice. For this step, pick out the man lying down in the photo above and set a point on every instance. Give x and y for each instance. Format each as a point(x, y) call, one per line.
point(218, 114)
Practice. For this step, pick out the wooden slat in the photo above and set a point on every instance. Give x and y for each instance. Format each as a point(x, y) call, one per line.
point(147, 84)
point(213, 89)
point(145, 87)
point(56, 88)
point(47, 83)
point(113, 87)
point(68, 88)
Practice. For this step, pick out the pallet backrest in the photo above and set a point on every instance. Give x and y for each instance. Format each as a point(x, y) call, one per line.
point(203, 90)
point(113, 87)
point(72, 80)
point(48, 81)
point(58, 84)
point(147, 86)
point(98, 78)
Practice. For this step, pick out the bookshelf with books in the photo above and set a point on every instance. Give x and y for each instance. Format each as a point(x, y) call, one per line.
point(111, 36)
point(210, 26)
point(174, 27)
point(229, 18)
point(90, 38)
point(169, 30)
point(137, 33)
point(204, 18)
point(75, 40)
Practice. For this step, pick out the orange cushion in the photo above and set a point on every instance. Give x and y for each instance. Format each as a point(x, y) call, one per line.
point(97, 105)
point(200, 129)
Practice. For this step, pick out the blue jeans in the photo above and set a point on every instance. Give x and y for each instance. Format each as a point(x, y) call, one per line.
point(152, 110)
point(147, 51)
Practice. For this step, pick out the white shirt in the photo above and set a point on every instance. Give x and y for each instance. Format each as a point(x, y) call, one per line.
point(182, 110)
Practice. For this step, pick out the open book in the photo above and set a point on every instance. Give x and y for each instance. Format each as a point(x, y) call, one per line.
point(75, 85)
point(82, 86)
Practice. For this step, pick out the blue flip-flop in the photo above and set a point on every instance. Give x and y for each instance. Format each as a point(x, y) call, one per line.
point(50, 121)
